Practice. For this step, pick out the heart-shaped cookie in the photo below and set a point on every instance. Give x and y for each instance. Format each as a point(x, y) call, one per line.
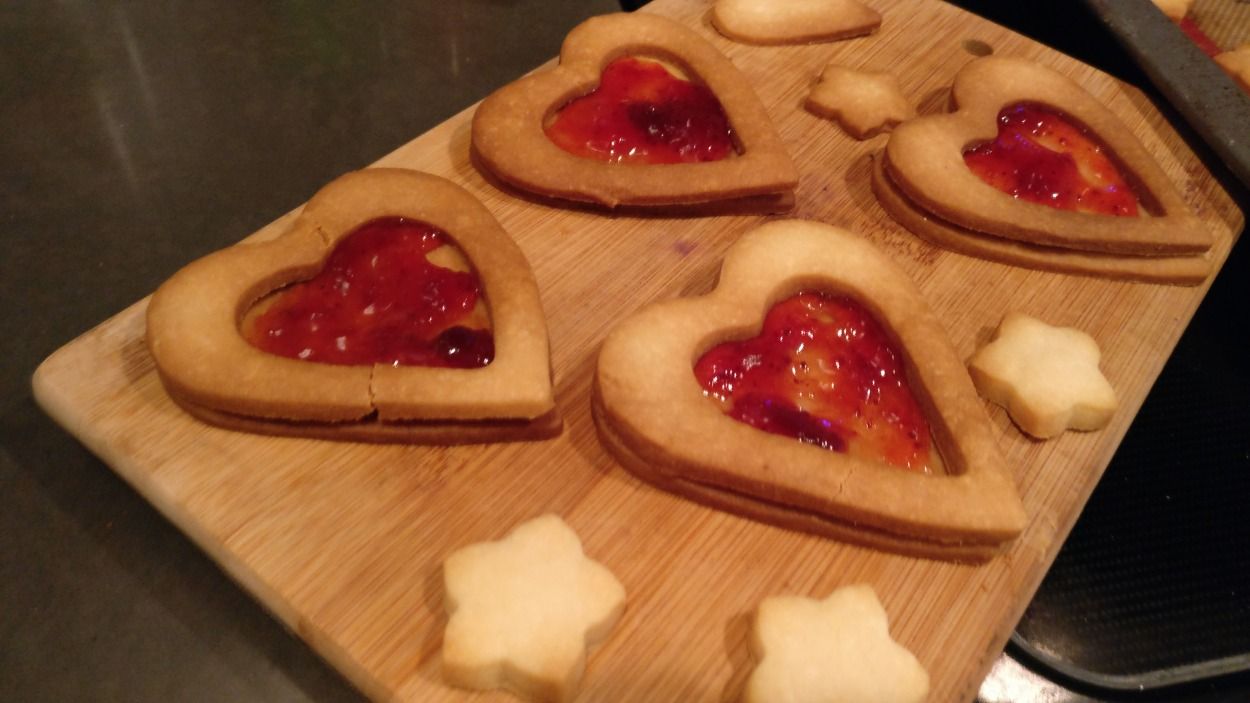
point(1176, 270)
point(656, 418)
point(925, 159)
point(793, 21)
point(194, 323)
point(510, 141)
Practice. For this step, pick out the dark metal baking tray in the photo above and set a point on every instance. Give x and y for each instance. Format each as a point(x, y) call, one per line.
point(1206, 97)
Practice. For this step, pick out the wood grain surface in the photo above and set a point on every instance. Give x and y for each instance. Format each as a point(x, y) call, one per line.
point(343, 542)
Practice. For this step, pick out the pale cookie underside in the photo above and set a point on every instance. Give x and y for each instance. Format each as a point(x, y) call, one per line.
point(793, 21)
point(653, 413)
point(508, 138)
point(926, 162)
point(204, 361)
point(1177, 270)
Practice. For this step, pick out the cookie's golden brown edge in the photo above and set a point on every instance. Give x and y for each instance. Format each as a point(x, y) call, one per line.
point(756, 507)
point(769, 22)
point(204, 362)
point(924, 157)
point(372, 430)
point(653, 416)
point(509, 141)
point(1173, 270)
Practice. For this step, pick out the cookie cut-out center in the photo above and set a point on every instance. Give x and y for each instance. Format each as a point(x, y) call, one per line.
point(823, 371)
point(643, 114)
point(1043, 157)
point(380, 300)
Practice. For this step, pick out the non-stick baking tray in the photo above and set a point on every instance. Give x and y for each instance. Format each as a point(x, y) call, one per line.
point(1201, 92)
point(1152, 588)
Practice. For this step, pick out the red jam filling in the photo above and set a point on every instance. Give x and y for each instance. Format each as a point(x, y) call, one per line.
point(379, 300)
point(823, 371)
point(1042, 157)
point(1199, 37)
point(641, 113)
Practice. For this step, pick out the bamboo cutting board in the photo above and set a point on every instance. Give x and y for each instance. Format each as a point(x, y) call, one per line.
point(343, 542)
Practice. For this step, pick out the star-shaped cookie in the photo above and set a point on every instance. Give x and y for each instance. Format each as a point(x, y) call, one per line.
point(524, 609)
point(1047, 377)
point(835, 650)
point(865, 103)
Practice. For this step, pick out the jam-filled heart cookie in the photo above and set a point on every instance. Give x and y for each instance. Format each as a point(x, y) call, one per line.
point(1032, 170)
point(394, 308)
point(641, 111)
point(813, 389)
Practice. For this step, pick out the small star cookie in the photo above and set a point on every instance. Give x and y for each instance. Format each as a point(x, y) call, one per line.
point(793, 21)
point(524, 609)
point(1047, 377)
point(865, 103)
point(833, 651)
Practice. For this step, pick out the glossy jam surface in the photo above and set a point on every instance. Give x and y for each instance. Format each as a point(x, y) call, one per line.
point(641, 113)
point(1042, 157)
point(379, 300)
point(822, 370)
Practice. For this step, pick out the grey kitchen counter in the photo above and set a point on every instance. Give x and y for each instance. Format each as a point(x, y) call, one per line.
point(135, 137)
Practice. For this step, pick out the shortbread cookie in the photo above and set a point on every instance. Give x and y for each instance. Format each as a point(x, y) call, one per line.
point(1237, 64)
point(523, 611)
point(1174, 270)
point(793, 21)
point(865, 103)
point(833, 650)
point(931, 160)
point(247, 337)
point(1047, 377)
point(819, 462)
point(679, 99)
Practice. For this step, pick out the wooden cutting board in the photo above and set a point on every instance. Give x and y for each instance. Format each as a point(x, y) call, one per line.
point(343, 542)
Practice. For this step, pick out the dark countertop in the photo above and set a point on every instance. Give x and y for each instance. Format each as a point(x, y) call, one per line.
point(137, 137)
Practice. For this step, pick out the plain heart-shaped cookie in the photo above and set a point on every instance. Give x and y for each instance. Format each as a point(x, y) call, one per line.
point(924, 160)
point(509, 139)
point(654, 416)
point(793, 21)
point(194, 330)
